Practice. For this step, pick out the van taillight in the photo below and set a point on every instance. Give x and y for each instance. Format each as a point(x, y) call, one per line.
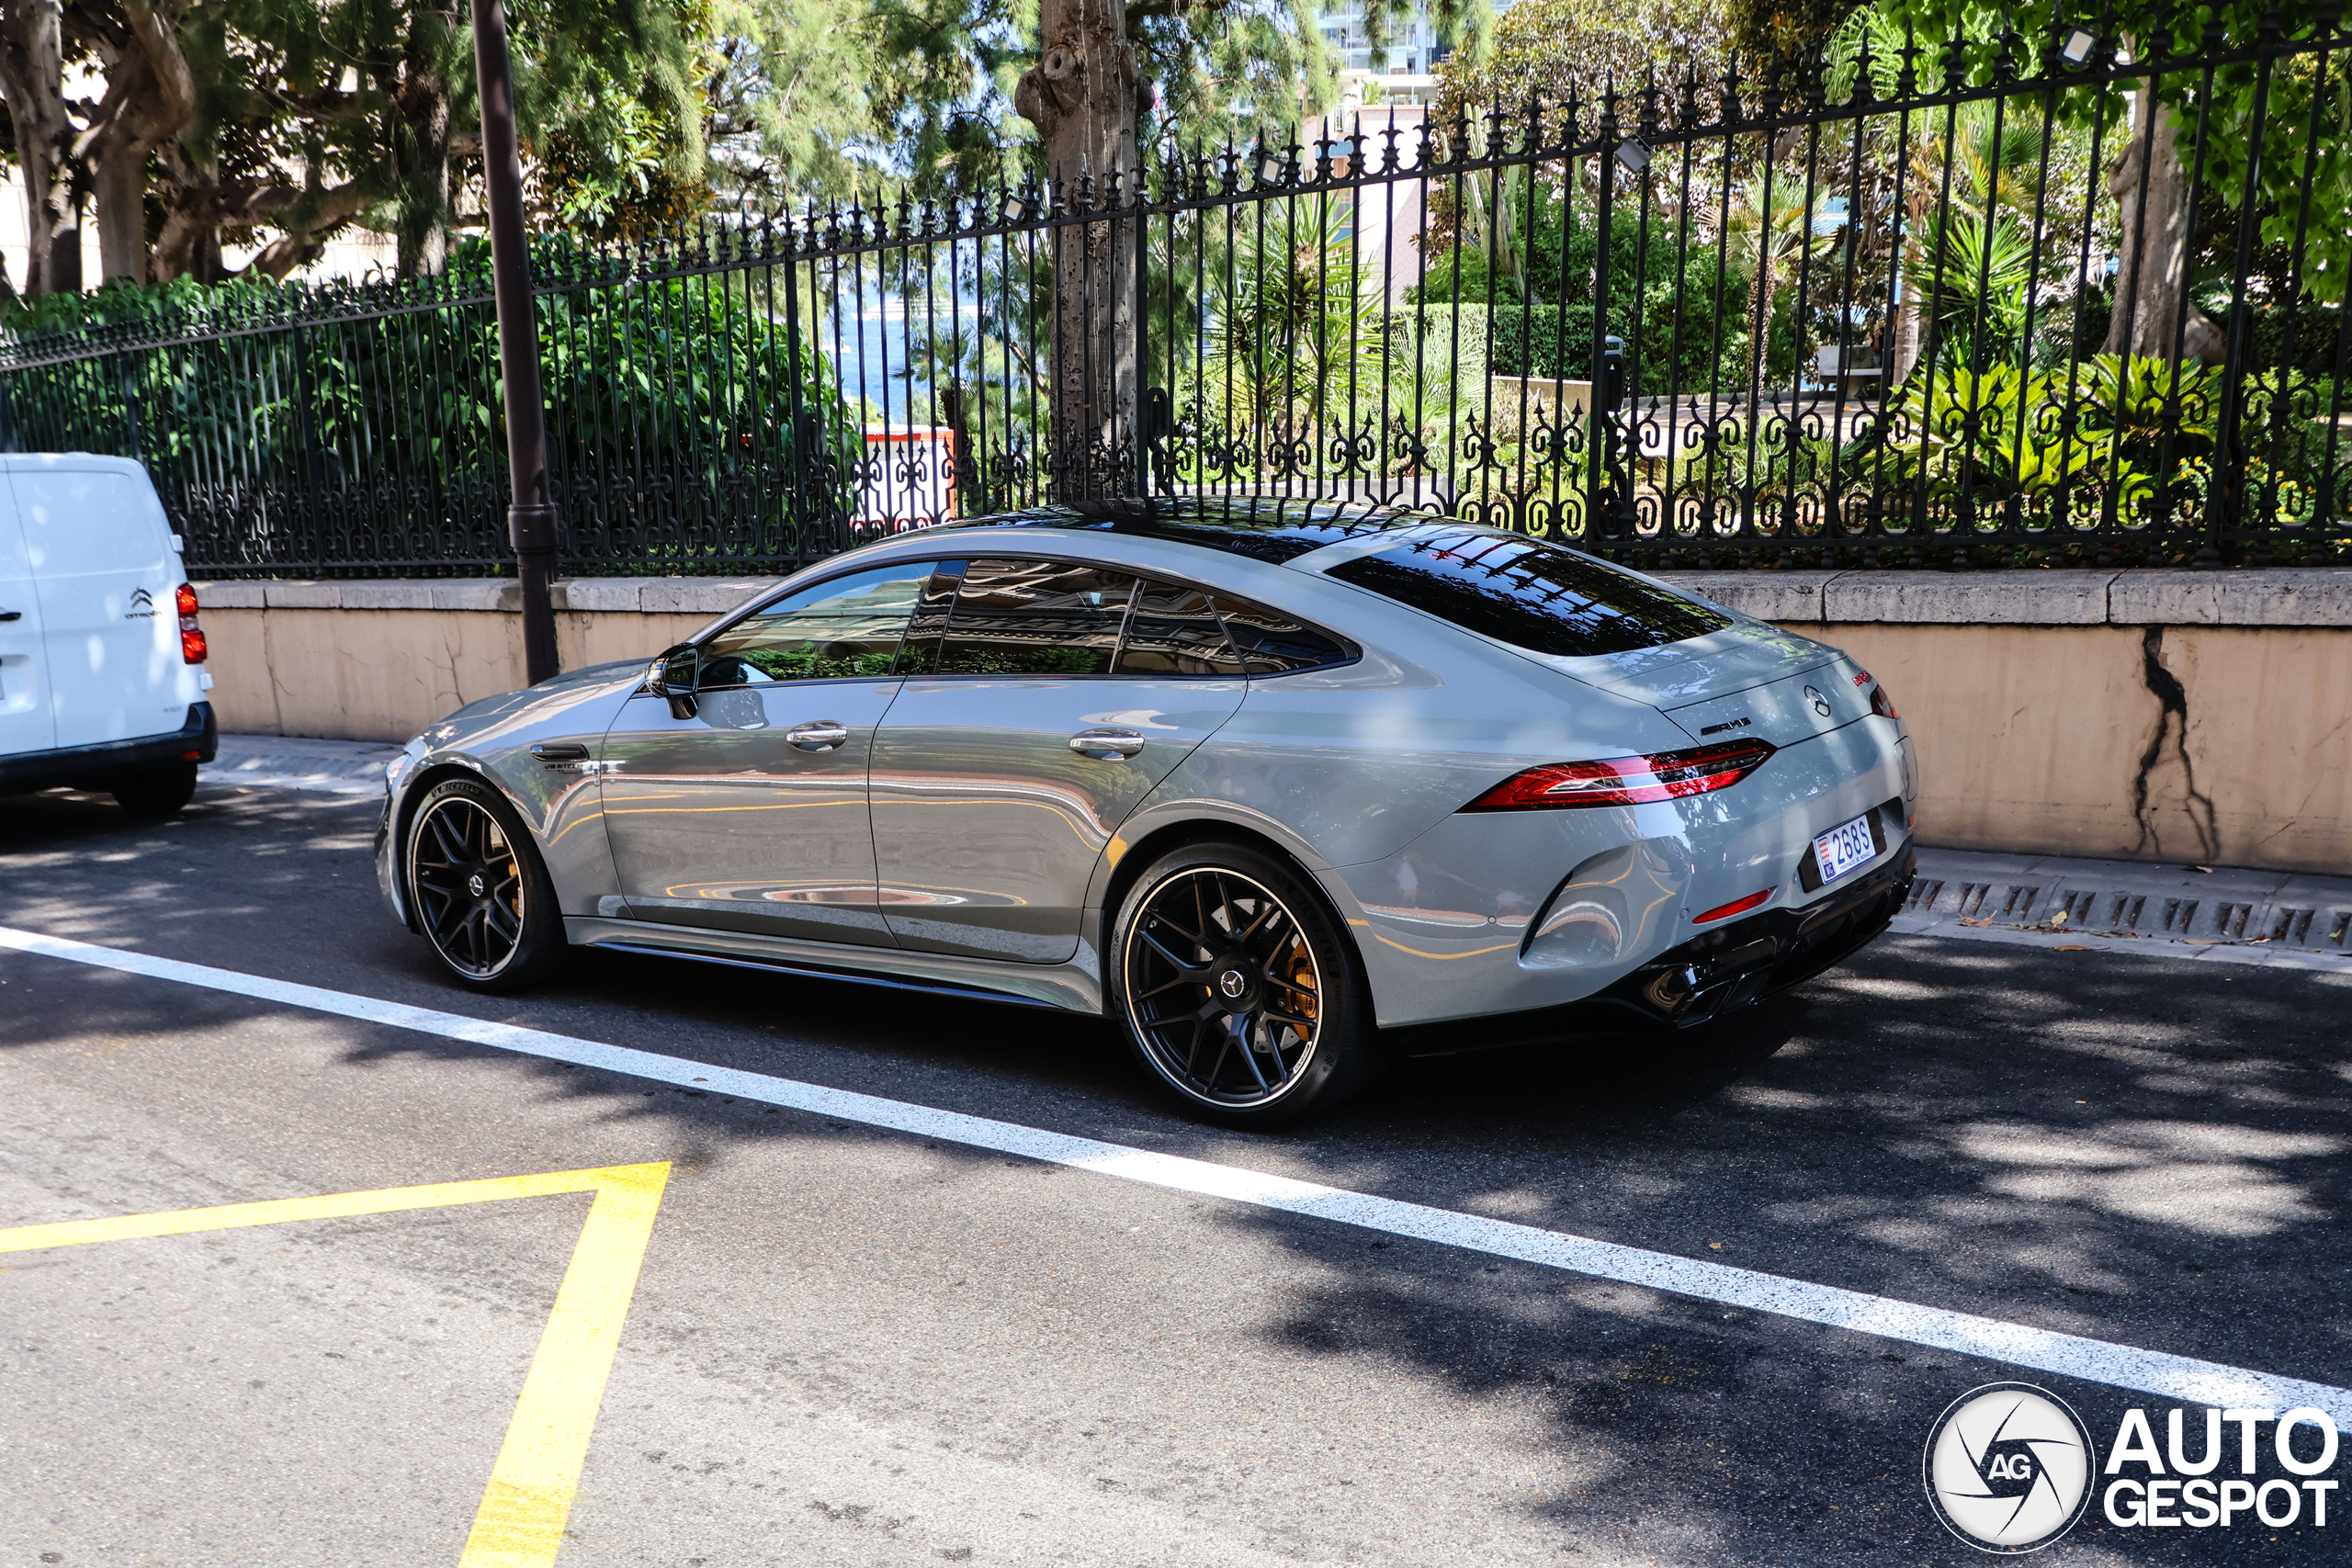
point(191, 635)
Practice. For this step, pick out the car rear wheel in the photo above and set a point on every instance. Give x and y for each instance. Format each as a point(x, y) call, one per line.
point(480, 893)
point(1238, 990)
point(153, 792)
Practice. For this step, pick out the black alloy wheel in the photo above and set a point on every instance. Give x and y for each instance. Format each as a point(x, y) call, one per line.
point(1237, 991)
point(480, 893)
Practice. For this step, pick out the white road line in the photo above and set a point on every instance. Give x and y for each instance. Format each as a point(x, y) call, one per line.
point(2179, 1378)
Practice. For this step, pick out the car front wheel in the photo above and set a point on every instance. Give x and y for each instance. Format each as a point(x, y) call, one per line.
point(1238, 990)
point(480, 893)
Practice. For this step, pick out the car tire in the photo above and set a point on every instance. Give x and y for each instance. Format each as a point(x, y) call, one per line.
point(1238, 990)
point(157, 792)
point(479, 891)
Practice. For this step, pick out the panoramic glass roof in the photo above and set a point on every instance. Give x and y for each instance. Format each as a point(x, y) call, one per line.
point(1266, 528)
point(1531, 594)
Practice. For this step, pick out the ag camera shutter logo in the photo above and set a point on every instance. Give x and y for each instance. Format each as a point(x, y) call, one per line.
point(2008, 1467)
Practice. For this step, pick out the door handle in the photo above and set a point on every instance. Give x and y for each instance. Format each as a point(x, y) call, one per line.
point(11, 614)
point(1106, 745)
point(824, 735)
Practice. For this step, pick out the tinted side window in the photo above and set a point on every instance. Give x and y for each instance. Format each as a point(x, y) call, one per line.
point(1030, 618)
point(849, 627)
point(1174, 631)
point(1272, 643)
point(1530, 593)
point(919, 655)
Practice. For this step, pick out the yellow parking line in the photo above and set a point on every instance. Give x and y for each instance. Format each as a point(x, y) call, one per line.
point(520, 1522)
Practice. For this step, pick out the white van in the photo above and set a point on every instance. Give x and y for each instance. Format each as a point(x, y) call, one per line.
point(102, 676)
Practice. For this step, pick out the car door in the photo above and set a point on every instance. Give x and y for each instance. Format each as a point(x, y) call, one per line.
point(743, 806)
point(101, 555)
point(1029, 726)
point(27, 723)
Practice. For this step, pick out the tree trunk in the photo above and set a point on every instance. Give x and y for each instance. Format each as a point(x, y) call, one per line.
point(421, 154)
point(1081, 97)
point(303, 215)
point(200, 202)
point(149, 99)
point(119, 188)
point(2152, 314)
point(191, 219)
point(1761, 345)
point(1907, 347)
point(32, 79)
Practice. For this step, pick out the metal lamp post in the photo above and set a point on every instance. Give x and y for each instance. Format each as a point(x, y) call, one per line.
point(530, 515)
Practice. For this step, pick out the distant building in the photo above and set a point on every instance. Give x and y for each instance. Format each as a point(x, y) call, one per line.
point(1408, 73)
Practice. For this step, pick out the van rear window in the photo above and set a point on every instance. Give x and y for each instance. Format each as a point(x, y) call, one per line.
point(1530, 593)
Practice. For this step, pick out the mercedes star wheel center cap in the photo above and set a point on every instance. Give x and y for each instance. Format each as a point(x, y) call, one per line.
point(473, 885)
point(1232, 983)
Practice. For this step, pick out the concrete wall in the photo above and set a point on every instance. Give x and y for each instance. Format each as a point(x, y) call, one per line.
point(380, 660)
point(2196, 716)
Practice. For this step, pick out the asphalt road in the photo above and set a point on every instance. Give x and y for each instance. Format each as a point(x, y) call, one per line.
point(850, 1346)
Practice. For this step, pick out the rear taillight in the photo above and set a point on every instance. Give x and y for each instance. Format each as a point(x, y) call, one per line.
point(1880, 704)
point(1627, 781)
point(191, 635)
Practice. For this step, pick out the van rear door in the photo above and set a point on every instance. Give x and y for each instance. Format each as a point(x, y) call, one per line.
point(102, 559)
point(26, 724)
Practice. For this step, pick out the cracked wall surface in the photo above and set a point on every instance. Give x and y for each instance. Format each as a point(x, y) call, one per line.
point(2167, 748)
point(2214, 745)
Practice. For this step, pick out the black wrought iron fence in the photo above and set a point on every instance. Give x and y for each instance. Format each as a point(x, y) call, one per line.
point(1986, 301)
point(357, 431)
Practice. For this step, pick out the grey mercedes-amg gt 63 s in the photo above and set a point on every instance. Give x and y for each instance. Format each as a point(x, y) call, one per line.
point(1282, 788)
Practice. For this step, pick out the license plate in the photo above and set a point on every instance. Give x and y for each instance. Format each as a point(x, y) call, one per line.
point(1844, 847)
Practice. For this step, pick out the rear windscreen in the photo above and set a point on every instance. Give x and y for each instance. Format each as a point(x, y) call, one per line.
point(1530, 593)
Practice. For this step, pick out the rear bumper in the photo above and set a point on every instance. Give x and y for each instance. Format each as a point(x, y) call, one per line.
point(198, 740)
point(1488, 914)
point(1704, 978)
point(1712, 973)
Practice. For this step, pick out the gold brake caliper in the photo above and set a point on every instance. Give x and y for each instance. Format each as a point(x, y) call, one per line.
point(1302, 980)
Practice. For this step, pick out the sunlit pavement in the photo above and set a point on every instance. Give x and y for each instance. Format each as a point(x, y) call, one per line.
point(850, 1346)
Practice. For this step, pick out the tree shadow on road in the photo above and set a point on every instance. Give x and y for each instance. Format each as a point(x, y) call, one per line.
point(2114, 1145)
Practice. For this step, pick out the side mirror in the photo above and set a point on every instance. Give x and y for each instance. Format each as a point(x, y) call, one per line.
point(672, 676)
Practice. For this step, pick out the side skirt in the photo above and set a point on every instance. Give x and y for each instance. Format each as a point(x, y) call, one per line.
point(1065, 987)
